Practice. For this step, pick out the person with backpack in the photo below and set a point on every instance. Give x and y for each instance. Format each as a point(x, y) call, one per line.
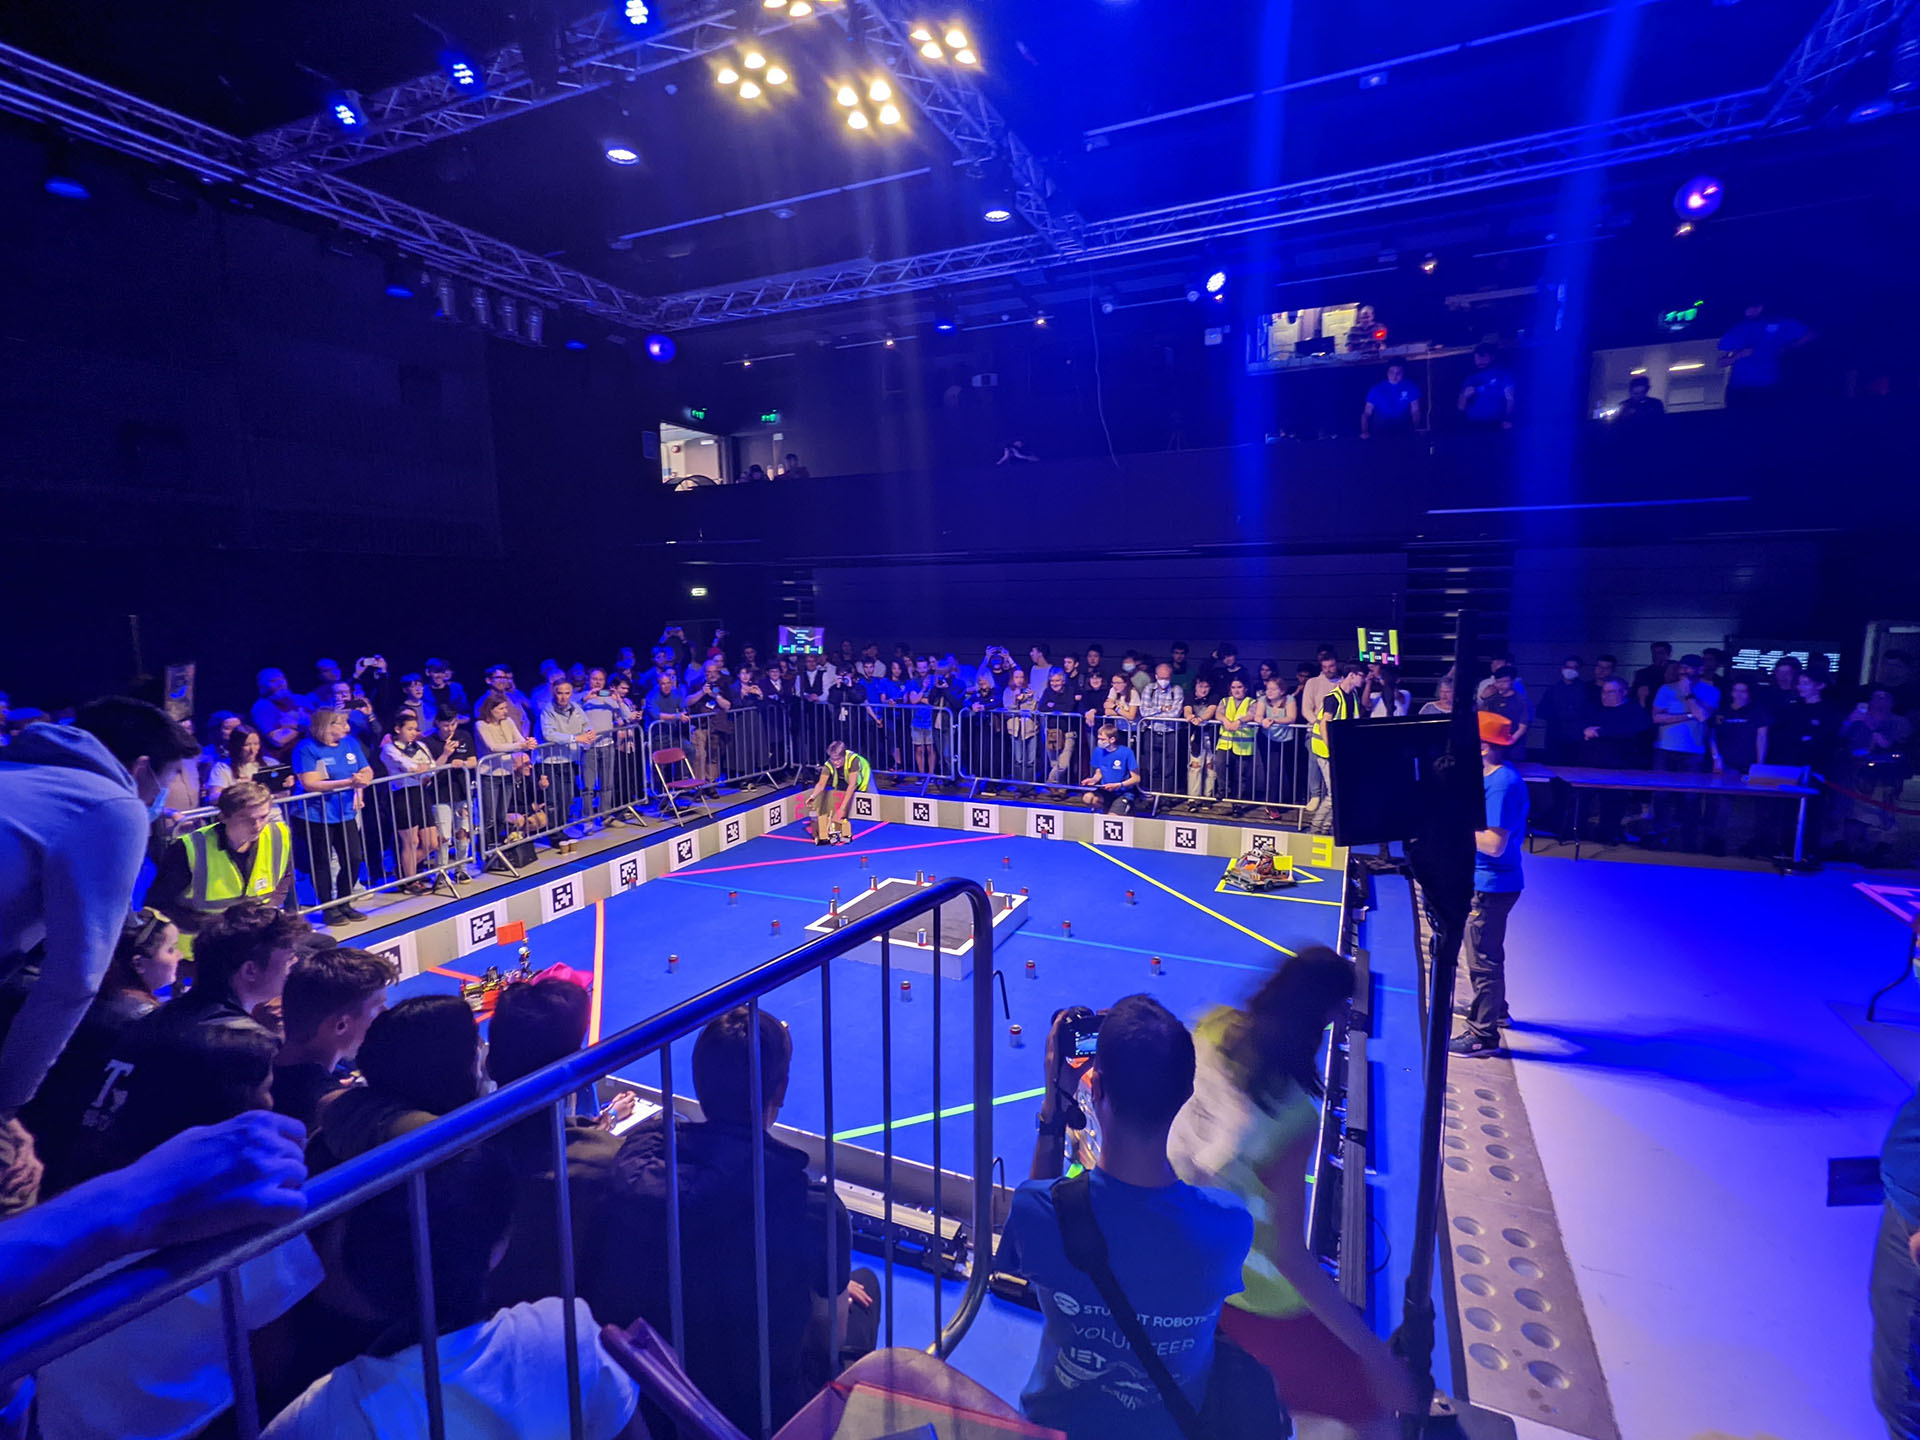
point(1132, 1265)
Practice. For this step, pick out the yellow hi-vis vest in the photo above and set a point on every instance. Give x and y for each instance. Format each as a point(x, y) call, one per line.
point(1320, 722)
point(853, 773)
point(1236, 725)
point(217, 881)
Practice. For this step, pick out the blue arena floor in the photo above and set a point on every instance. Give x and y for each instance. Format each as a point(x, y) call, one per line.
point(1215, 947)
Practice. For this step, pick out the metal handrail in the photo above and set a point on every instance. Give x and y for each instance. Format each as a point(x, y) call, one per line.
point(101, 1305)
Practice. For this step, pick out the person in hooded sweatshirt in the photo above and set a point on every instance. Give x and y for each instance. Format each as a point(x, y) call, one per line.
point(76, 803)
point(626, 1271)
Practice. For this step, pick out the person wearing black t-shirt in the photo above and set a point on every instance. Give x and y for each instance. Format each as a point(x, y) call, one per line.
point(1648, 679)
point(330, 999)
point(1739, 742)
point(1617, 737)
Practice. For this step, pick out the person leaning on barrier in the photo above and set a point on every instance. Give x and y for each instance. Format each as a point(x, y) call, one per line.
point(831, 799)
point(816, 1320)
point(247, 853)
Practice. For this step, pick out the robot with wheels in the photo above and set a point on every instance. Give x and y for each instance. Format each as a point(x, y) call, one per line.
point(1258, 871)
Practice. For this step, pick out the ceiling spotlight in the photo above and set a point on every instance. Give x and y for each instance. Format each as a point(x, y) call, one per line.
point(346, 111)
point(635, 12)
point(660, 348)
point(461, 72)
point(956, 40)
point(747, 363)
point(878, 91)
point(776, 76)
point(800, 9)
point(1216, 282)
point(774, 4)
point(856, 119)
point(997, 211)
point(576, 344)
point(965, 56)
point(1685, 227)
point(728, 75)
point(888, 342)
point(62, 179)
point(889, 114)
point(921, 33)
point(1429, 265)
point(402, 280)
point(1698, 198)
point(931, 49)
point(754, 60)
point(848, 96)
point(749, 91)
point(1040, 320)
point(622, 154)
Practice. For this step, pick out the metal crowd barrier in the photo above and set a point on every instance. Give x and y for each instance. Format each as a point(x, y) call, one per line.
point(101, 1305)
point(902, 741)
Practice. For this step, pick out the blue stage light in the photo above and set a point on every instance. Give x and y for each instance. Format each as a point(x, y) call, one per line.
point(1869, 110)
point(661, 348)
point(1216, 282)
point(632, 12)
point(67, 186)
point(576, 344)
point(346, 111)
point(462, 71)
point(1698, 198)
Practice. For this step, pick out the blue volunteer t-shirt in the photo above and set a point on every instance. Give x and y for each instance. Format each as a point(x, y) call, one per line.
point(1900, 1161)
point(336, 762)
point(1392, 403)
point(1113, 766)
point(1489, 387)
point(1768, 340)
point(1506, 810)
point(1177, 1251)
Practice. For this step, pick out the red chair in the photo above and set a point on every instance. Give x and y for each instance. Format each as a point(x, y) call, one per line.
point(673, 774)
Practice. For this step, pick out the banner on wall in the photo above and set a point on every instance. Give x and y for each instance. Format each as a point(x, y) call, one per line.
point(403, 951)
point(562, 897)
point(626, 872)
point(1184, 837)
point(476, 929)
point(683, 849)
point(982, 818)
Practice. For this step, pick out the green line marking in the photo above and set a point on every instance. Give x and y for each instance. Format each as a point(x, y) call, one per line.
point(947, 1114)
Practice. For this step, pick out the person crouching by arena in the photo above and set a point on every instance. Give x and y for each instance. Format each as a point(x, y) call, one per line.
point(845, 772)
point(1116, 773)
point(246, 854)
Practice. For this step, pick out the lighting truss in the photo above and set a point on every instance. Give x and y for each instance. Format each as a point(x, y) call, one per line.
point(1846, 32)
point(595, 52)
point(88, 110)
point(952, 102)
point(1627, 140)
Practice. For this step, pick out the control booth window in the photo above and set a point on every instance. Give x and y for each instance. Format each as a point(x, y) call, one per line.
point(1682, 375)
point(691, 458)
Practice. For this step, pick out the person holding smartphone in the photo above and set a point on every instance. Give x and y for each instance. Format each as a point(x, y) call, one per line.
point(1115, 781)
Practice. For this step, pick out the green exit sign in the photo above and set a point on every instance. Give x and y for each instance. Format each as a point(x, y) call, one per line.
point(770, 417)
point(695, 414)
point(1680, 319)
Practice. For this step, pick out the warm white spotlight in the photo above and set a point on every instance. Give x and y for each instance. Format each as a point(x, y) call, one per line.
point(800, 9)
point(754, 60)
point(932, 50)
point(848, 96)
point(956, 40)
point(728, 75)
point(966, 57)
point(889, 114)
point(920, 32)
point(857, 119)
point(749, 91)
point(879, 91)
point(889, 342)
point(774, 4)
point(776, 76)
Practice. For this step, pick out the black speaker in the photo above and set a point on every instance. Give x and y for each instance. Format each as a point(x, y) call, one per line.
point(1388, 780)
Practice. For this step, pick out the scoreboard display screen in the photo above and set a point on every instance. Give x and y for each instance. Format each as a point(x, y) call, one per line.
point(802, 640)
point(1381, 646)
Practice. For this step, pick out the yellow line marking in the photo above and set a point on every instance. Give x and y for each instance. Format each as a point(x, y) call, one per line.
point(1222, 888)
point(599, 969)
point(1204, 910)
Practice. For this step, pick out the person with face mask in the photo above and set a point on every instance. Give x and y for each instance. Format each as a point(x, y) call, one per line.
point(76, 805)
point(1562, 711)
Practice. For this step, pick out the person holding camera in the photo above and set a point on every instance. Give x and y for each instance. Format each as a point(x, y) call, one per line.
point(1172, 1251)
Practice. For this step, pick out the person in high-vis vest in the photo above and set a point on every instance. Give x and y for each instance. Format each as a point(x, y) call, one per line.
point(1234, 752)
point(1340, 703)
point(845, 772)
point(245, 854)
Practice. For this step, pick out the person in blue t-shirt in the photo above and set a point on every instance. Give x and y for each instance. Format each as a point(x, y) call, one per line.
point(1393, 405)
point(1176, 1249)
point(1894, 1289)
point(1116, 773)
point(1486, 400)
point(333, 768)
point(1750, 354)
point(1497, 848)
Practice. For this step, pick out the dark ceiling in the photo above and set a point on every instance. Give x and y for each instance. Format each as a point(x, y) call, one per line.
point(1056, 71)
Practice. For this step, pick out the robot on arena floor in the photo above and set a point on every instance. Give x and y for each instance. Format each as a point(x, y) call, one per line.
point(1260, 870)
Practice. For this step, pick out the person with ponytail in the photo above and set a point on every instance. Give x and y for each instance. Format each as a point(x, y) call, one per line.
point(1250, 1128)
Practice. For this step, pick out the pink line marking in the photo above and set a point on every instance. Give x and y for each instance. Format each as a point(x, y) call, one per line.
point(829, 853)
point(808, 839)
point(1879, 894)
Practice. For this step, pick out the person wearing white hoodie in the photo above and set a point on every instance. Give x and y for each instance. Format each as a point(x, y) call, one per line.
point(76, 803)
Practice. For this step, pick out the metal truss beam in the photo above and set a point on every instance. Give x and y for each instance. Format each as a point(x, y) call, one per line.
point(34, 88)
point(1627, 140)
point(595, 52)
point(953, 103)
point(1846, 33)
